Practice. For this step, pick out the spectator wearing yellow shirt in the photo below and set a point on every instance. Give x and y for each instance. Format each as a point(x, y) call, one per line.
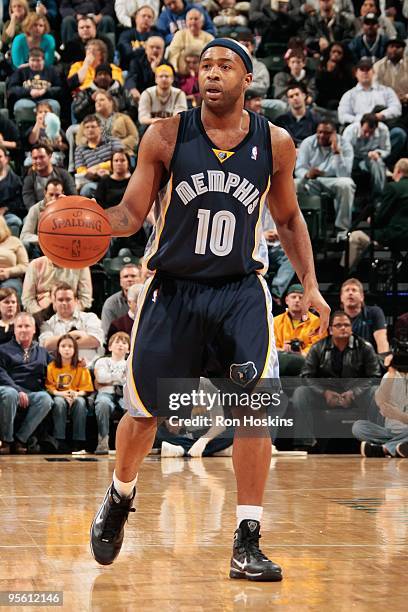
point(82, 74)
point(293, 336)
point(69, 383)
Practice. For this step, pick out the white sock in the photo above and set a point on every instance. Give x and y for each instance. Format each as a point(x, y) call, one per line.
point(125, 489)
point(249, 513)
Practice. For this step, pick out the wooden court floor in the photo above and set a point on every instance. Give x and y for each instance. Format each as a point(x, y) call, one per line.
point(338, 525)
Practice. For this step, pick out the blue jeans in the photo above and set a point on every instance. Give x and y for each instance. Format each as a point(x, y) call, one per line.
point(105, 404)
point(398, 139)
point(88, 190)
point(15, 223)
point(280, 271)
point(78, 412)
point(378, 434)
point(40, 404)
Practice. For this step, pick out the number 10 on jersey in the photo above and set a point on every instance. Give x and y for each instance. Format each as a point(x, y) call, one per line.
point(222, 232)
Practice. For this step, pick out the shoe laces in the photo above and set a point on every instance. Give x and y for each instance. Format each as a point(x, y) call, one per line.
point(117, 515)
point(251, 545)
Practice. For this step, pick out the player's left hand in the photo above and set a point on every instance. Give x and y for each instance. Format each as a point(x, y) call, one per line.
point(312, 298)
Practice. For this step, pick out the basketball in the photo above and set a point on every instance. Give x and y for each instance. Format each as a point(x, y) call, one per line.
point(74, 232)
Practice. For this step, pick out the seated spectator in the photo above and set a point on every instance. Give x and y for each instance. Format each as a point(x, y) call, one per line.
point(371, 144)
point(82, 74)
point(49, 132)
point(109, 192)
point(334, 76)
point(386, 433)
point(43, 276)
point(162, 100)
point(30, 84)
point(368, 321)
point(192, 36)
point(9, 308)
point(13, 259)
point(294, 335)
point(127, 9)
point(116, 305)
point(84, 327)
point(296, 73)
point(102, 11)
point(46, 8)
point(125, 322)
point(92, 160)
point(69, 383)
point(42, 171)
point(326, 26)
point(35, 34)
point(370, 97)
point(23, 366)
point(11, 199)
point(273, 22)
point(9, 134)
point(143, 66)
point(74, 50)
point(54, 189)
point(392, 71)
point(173, 18)
point(340, 358)
point(301, 122)
point(370, 43)
point(260, 75)
point(114, 125)
point(84, 101)
point(324, 163)
point(280, 270)
point(253, 101)
point(18, 11)
point(390, 220)
point(232, 18)
point(110, 376)
point(386, 26)
point(187, 80)
point(133, 39)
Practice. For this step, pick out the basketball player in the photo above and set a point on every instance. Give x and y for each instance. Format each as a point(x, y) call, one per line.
point(210, 170)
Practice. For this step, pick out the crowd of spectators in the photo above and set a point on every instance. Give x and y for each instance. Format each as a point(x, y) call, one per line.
point(81, 80)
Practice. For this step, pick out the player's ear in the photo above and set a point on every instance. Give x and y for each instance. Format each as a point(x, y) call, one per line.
point(248, 81)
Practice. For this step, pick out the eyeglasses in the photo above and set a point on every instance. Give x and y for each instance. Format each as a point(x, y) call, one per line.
point(339, 325)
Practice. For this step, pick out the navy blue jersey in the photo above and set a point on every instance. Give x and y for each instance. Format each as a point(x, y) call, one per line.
point(208, 216)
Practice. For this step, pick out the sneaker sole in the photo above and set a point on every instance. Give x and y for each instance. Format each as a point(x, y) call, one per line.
point(240, 575)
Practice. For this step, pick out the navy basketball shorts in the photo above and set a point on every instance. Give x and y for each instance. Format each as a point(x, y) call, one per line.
point(185, 329)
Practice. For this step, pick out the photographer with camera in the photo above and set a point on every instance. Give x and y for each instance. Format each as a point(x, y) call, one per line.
point(293, 335)
point(330, 371)
point(386, 434)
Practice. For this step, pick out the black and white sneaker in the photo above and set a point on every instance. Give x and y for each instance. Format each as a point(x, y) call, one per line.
point(108, 526)
point(368, 449)
point(248, 561)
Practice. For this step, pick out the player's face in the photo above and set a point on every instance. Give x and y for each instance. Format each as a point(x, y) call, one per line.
point(294, 304)
point(341, 328)
point(351, 296)
point(222, 78)
point(8, 307)
point(144, 20)
point(66, 349)
point(65, 303)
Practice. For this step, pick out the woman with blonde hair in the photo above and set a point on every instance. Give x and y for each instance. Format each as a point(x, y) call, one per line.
point(114, 124)
point(13, 259)
point(35, 34)
point(18, 11)
point(81, 74)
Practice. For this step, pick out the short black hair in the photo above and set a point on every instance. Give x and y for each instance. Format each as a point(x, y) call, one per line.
point(295, 85)
point(370, 119)
point(49, 150)
point(338, 313)
point(91, 119)
point(55, 182)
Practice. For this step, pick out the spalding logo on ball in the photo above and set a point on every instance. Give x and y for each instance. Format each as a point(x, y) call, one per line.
point(74, 232)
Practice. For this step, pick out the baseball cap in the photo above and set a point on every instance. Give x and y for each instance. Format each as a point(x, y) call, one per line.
point(365, 63)
point(295, 288)
point(370, 18)
point(103, 68)
point(398, 42)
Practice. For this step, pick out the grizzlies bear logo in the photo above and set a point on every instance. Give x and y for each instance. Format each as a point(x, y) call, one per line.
point(243, 373)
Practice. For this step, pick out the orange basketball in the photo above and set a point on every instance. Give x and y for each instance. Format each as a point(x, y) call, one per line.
point(74, 232)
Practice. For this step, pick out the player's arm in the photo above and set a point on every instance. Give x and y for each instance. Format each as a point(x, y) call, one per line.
point(290, 224)
point(153, 158)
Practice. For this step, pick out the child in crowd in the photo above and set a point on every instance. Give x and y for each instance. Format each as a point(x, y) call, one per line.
point(110, 376)
point(69, 383)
